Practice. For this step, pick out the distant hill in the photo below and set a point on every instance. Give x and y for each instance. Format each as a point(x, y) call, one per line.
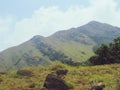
point(75, 44)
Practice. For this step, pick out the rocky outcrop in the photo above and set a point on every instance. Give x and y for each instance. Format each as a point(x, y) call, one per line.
point(52, 82)
point(55, 81)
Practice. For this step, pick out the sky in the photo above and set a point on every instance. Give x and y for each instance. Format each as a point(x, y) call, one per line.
point(20, 20)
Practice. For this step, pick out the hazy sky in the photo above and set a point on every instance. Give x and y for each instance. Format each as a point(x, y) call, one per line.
point(20, 20)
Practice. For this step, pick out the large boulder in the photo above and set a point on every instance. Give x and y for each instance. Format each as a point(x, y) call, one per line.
point(53, 82)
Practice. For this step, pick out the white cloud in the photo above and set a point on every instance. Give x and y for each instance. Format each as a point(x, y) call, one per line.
point(6, 25)
point(46, 21)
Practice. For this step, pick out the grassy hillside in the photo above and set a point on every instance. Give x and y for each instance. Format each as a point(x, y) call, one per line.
point(78, 52)
point(79, 77)
point(22, 56)
point(39, 51)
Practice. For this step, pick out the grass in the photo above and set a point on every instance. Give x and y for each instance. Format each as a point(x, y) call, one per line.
point(78, 77)
point(78, 52)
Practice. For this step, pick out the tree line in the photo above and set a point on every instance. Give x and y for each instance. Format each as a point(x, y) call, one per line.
point(107, 54)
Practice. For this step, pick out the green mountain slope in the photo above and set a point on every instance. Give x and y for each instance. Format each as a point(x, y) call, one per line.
point(75, 44)
point(21, 56)
point(78, 52)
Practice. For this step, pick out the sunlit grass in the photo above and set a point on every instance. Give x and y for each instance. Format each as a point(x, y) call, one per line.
point(79, 77)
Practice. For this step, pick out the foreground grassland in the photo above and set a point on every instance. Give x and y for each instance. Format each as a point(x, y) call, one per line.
point(79, 77)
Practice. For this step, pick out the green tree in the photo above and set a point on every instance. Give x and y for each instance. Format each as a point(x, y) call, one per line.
point(115, 50)
point(107, 54)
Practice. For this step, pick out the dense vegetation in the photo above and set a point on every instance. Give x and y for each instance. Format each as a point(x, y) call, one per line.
point(107, 54)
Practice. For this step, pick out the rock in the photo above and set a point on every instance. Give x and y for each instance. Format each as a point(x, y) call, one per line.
point(2, 73)
point(32, 85)
point(53, 82)
point(97, 85)
point(24, 73)
point(1, 80)
point(61, 72)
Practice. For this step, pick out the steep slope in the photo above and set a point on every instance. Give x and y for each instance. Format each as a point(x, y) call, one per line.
point(100, 32)
point(34, 52)
point(75, 44)
point(21, 56)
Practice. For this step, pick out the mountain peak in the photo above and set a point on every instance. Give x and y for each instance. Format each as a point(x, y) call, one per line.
point(37, 37)
point(94, 22)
